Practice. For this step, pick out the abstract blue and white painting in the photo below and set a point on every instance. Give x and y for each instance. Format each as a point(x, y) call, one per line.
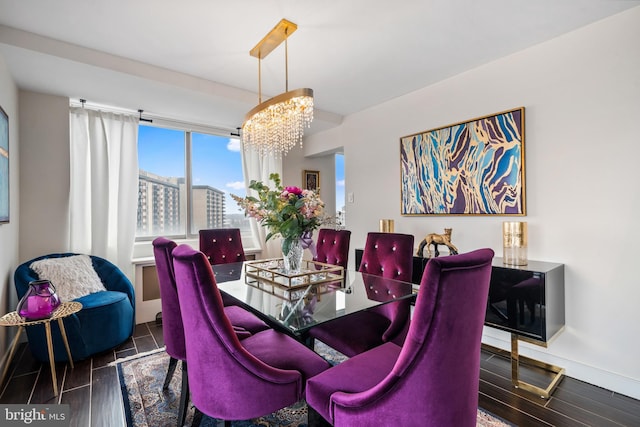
point(474, 167)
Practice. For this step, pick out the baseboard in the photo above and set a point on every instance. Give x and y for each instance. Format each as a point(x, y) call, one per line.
point(590, 374)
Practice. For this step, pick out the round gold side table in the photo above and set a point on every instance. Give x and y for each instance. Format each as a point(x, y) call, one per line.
point(13, 319)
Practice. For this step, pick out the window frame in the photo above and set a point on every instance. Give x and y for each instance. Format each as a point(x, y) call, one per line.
point(188, 129)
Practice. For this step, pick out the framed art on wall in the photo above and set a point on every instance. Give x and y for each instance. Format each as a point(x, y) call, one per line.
point(4, 166)
point(311, 180)
point(469, 168)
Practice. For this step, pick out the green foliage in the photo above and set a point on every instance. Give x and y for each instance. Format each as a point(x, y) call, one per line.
point(288, 212)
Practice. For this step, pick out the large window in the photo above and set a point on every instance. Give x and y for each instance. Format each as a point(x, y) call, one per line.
point(185, 182)
point(341, 220)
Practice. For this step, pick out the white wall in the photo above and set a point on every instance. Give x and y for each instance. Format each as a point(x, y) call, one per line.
point(44, 175)
point(295, 163)
point(581, 94)
point(9, 232)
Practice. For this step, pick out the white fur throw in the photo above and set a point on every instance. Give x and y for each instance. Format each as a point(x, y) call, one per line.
point(73, 276)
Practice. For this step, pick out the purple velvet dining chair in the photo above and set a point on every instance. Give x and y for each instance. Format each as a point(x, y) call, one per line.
point(332, 247)
point(388, 255)
point(172, 329)
point(433, 378)
point(232, 379)
point(222, 245)
point(244, 322)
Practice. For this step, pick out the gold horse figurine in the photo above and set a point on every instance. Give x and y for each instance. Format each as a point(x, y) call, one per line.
point(435, 240)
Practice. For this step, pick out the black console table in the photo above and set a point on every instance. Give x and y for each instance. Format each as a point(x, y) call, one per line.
point(527, 301)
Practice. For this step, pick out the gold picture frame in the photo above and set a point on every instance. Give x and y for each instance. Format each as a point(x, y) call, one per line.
point(476, 167)
point(4, 167)
point(311, 180)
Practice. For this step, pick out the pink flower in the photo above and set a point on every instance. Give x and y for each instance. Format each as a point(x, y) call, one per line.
point(271, 205)
point(294, 190)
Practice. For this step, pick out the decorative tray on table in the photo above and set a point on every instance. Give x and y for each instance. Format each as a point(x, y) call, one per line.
point(269, 275)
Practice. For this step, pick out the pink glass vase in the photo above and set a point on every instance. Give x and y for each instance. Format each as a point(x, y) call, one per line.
point(39, 302)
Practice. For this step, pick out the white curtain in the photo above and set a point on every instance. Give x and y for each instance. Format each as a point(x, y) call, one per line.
point(104, 185)
point(256, 167)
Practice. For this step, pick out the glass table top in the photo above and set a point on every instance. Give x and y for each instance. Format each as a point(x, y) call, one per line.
point(299, 308)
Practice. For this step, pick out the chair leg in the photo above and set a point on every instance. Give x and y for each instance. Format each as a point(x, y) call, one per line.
point(172, 367)
point(184, 396)
point(314, 419)
point(310, 342)
point(197, 418)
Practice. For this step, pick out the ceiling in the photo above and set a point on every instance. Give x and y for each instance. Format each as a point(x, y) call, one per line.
point(190, 60)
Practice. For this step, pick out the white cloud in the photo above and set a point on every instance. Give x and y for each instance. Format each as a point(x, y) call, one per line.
point(340, 183)
point(237, 185)
point(233, 144)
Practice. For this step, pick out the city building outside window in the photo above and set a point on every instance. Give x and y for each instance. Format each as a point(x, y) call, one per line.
point(185, 182)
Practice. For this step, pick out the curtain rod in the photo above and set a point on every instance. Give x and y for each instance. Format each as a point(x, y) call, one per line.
point(101, 107)
point(157, 119)
point(142, 119)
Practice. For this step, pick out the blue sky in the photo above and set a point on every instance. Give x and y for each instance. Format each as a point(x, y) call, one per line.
point(340, 200)
point(216, 161)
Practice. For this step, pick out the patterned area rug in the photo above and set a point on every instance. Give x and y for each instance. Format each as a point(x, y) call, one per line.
point(147, 405)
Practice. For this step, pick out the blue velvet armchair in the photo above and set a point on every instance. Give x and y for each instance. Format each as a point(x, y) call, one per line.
point(106, 320)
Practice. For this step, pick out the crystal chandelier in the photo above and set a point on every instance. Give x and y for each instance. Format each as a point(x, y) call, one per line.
point(277, 125)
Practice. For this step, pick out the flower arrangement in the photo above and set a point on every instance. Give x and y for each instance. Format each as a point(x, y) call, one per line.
point(289, 212)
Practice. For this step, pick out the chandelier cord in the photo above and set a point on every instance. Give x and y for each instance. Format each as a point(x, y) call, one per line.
point(286, 62)
point(260, 79)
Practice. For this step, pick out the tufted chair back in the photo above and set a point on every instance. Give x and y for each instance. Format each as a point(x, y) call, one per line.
point(222, 245)
point(389, 255)
point(333, 247)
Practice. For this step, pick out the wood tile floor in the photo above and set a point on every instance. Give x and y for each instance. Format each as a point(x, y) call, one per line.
point(93, 392)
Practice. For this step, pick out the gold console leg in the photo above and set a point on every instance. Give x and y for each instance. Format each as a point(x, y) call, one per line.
point(516, 358)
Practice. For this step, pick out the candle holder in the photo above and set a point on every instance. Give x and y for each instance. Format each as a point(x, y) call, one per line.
point(386, 226)
point(514, 239)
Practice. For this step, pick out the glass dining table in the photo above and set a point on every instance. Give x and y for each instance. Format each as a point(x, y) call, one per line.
point(319, 293)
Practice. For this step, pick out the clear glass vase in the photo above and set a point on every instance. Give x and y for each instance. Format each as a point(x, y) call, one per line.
point(292, 258)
